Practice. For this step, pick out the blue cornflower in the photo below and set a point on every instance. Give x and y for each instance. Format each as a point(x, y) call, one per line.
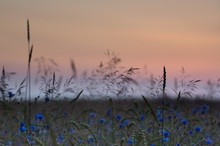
point(80, 140)
point(191, 132)
point(92, 114)
point(184, 121)
point(71, 130)
point(10, 94)
point(32, 127)
point(205, 107)
point(121, 125)
point(8, 143)
point(209, 141)
point(152, 144)
point(22, 129)
point(47, 99)
point(195, 111)
point(166, 134)
point(60, 139)
point(39, 116)
point(203, 111)
point(198, 128)
point(109, 112)
point(129, 141)
point(91, 139)
point(126, 122)
point(102, 120)
point(169, 117)
point(177, 144)
point(161, 119)
point(166, 139)
point(21, 124)
point(142, 117)
point(149, 129)
point(118, 117)
point(29, 137)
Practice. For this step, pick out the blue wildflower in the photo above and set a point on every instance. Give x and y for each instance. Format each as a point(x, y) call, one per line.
point(118, 117)
point(102, 120)
point(21, 124)
point(191, 132)
point(121, 125)
point(161, 119)
point(80, 140)
point(142, 117)
point(165, 133)
point(129, 141)
point(126, 122)
point(60, 139)
point(209, 141)
point(32, 127)
point(39, 116)
point(92, 114)
point(149, 129)
point(47, 99)
point(205, 107)
point(195, 111)
point(71, 130)
point(184, 121)
point(169, 117)
point(109, 112)
point(166, 139)
point(198, 128)
point(91, 139)
point(203, 111)
point(8, 143)
point(10, 94)
point(22, 129)
point(152, 144)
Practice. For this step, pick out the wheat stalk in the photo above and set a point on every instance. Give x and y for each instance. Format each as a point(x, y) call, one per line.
point(28, 77)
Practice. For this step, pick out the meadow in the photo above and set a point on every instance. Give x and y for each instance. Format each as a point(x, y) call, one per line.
point(102, 108)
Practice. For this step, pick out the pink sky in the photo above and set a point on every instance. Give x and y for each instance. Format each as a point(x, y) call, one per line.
point(153, 33)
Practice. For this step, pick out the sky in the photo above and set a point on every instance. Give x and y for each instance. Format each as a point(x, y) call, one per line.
point(155, 33)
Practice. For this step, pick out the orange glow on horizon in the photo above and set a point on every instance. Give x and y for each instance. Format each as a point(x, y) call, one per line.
point(176, 34)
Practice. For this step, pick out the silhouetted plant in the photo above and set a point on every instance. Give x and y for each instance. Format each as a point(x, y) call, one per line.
point(185, 87)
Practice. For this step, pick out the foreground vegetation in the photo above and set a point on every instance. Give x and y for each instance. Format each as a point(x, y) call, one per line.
point(112, 122)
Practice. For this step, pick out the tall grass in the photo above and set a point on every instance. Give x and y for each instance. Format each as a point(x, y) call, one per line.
point(28, 79)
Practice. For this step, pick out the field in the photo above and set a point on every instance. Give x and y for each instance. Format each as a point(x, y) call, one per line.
point(112, 122)
point(66, 113)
